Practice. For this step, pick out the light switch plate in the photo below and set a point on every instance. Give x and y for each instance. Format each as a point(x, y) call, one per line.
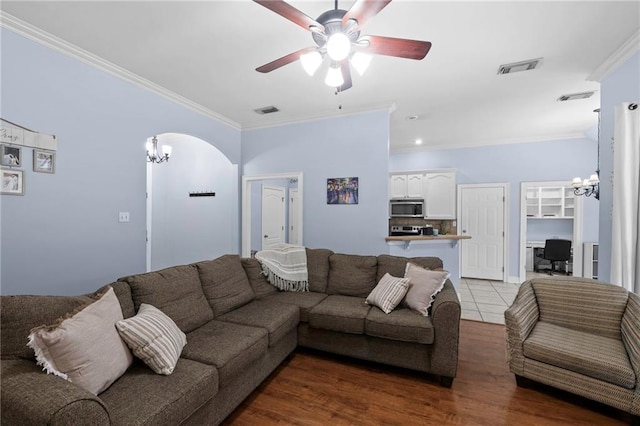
point(123, 217)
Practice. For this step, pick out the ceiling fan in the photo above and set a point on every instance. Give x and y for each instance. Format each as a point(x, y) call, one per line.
point(336, 34)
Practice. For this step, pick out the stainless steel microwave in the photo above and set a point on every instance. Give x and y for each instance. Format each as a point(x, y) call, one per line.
point(406, 207)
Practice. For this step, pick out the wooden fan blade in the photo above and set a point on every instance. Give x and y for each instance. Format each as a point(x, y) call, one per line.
point(346, 75)
point(291, 13)
point(280, 62)
point(398, 47)
point(363, 10)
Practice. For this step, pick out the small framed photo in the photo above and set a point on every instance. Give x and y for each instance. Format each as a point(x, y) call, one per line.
point(10, 155)
point(44, 161)
point(12, 182)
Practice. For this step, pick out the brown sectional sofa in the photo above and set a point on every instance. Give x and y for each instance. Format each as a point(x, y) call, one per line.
point(239, 329)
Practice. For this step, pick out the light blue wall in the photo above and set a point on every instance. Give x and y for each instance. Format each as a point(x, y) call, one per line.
point(513, 164)
point(63, 235)
point(340, 147)
point(622, 85)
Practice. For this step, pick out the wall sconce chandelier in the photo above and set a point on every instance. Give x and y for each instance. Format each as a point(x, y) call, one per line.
point(153, 155)
point(591, 186)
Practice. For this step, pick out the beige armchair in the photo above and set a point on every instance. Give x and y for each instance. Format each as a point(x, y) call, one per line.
point(579, 335)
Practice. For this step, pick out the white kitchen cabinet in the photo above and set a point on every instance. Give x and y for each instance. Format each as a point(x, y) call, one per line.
point(440, 195)
point(406, 186)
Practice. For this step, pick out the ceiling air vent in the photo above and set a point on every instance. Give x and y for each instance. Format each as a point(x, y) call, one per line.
point(574, 96)
point(267, 110)
point(531, 64)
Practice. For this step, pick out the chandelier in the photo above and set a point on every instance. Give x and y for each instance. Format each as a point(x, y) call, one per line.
point(153, 155)
point(591, 186)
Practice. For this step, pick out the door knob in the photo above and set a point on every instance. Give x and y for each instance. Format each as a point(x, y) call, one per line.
point(464, 231)
point(266, 236)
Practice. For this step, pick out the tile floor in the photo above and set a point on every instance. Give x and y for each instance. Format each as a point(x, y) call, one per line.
point(484, 300)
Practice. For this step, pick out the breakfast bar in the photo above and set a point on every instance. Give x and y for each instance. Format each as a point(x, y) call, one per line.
point(443, 246)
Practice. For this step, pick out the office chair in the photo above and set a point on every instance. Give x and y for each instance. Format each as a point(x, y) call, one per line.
point(556, 250)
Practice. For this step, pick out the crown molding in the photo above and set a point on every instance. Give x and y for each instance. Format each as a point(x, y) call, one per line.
point(617, 58)
point(318, 117)
point(482, 144)
point(46, 39)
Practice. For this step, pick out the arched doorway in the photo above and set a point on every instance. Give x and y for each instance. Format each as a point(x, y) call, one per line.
point(185, 222)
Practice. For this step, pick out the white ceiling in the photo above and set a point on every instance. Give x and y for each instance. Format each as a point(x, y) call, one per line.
point(207, 52)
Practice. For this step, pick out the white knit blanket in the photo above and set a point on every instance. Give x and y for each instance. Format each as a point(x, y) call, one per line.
point(285, 266)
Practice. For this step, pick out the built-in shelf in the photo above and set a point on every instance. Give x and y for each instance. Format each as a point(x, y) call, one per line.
point(407, 240)
point(550, 202)
point(590, 260)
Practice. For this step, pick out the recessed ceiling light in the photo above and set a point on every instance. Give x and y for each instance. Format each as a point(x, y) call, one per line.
point(418, 141)
point(531, 64)
point(574, 96)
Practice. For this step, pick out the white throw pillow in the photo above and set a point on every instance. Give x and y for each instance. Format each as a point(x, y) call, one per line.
point(154, 338)
point(425, 284)
point(388, 293)
point(85, 348)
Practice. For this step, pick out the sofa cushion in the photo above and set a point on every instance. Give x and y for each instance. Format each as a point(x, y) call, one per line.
point(225, 283)
point(303, 300)
point(257, 279)
point(278, 318)
point(154, 338)
point(227, 346)
point(581, 304)
point(595, 356)
point(19, 314)
point(123, 293)
point(340, 313)
point(401, 324)
point(352, 275)
point(388, 293)
point(425, 284)
point(318, 268)
point(85, 347)
point(176, 291)
point(141, 397)
point(396, 265)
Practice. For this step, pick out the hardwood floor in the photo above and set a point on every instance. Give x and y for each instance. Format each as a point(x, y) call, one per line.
point(314, 388)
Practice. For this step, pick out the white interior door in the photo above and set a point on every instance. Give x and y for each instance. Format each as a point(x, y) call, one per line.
point(294, 206)
point(272, 215)
point(482, 217)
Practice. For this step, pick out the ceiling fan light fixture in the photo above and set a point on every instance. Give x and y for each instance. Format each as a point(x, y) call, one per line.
point(334, 76)
point(338, 46)
point(311, 62)
point(361, 61)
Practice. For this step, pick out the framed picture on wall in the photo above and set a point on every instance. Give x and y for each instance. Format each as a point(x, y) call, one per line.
point(342, 190)
point(10, 155)
point(12, 182)
point(44, 161)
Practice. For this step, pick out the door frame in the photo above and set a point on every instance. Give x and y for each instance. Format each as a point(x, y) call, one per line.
point(578, 229)
point(505, 219)
point(245, 248)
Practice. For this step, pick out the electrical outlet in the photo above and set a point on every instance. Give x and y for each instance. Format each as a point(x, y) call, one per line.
point(454, 224)
point(123, 217)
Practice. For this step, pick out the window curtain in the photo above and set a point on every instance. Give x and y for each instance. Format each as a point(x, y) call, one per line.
point(625, 241)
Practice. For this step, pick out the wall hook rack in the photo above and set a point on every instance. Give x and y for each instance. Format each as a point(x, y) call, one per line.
point(202, 194)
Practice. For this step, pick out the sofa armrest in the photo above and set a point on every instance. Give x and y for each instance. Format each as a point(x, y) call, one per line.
point(445, 316)
point(30, 396)
point(520, 318)
point(631, 335)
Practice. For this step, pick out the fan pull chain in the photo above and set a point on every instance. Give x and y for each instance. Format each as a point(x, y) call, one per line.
point(339, 95)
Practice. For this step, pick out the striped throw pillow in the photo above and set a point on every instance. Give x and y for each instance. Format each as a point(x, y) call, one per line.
point(154, 338)
point(388, 293)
